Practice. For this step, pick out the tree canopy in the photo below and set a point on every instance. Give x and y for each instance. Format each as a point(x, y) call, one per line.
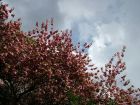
point(44, 67)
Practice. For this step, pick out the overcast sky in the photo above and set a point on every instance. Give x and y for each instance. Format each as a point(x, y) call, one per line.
point(109, 23)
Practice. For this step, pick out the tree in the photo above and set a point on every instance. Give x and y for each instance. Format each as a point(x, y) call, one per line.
point(43, 67)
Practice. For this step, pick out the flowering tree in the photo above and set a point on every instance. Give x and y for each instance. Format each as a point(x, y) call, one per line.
point(43, 67)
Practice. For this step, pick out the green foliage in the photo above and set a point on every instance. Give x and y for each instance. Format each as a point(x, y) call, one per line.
point(73, 99)
point(30, 40)
point(111, 102)
point(91, 103)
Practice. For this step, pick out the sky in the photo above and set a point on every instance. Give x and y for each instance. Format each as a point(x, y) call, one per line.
point(110, 24)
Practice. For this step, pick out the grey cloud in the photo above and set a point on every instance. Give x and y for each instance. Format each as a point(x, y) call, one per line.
point(31, 11)
point(130, 19)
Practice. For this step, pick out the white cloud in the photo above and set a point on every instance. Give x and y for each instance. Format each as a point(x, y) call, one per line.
point(110, 24)
point(108, 38)
point(86, 31)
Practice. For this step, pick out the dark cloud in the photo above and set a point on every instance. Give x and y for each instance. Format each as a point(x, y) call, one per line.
point(31, 11)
